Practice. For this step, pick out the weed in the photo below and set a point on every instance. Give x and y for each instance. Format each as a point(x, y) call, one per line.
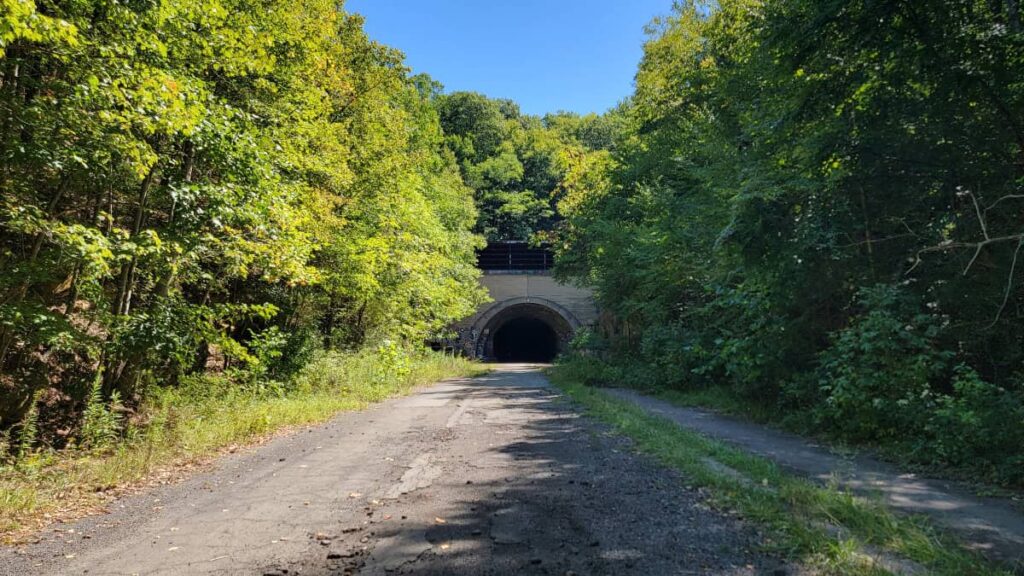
point(101, 423)
point(819, 525)
point(29, 428)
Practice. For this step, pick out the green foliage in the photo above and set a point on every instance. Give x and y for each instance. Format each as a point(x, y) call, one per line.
point(588, 341)
point(515, 163)
point(817, 205)
point(28, 429)
point(977, 425)
point(265, 351)
point(101, 423)
point(393, 364)
point(878, 375)
point(210, 182)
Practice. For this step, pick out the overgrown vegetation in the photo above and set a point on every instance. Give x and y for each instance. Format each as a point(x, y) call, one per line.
point(822, 527)
point(818, 207)
point(203, 414)
point(209, 186)
point(814, 206)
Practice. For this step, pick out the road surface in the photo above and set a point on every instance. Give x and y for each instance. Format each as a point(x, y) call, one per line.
point(992, 526)
point(493, 475)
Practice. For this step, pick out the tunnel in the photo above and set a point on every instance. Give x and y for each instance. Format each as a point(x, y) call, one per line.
point(526, 332)
point(525, 340)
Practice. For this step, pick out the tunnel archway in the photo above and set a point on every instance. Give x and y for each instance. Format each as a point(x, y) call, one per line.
point(525, 331)
point(525, 339)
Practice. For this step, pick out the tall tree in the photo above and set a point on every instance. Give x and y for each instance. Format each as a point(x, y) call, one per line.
point(188, 178)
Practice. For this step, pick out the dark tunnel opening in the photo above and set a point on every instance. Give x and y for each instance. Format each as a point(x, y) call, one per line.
point(525, 340)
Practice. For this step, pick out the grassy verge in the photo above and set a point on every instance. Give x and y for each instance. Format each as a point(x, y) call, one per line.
point(184, 425)
point(823, 527)
point(724, 401)
point(904, 451)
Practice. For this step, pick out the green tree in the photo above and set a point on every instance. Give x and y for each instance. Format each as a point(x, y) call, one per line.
point(201, 179)
point(781, 159)
point(513, 162)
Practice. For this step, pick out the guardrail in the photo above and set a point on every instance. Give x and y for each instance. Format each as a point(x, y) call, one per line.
point(518, 256)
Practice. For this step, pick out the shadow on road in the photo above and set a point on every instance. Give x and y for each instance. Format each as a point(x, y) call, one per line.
point(526, 486)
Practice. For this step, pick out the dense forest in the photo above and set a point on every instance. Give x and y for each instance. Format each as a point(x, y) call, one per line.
point(224, 187)
point(517, 165)
point(189, 184)
point(812, 206)
point(818, 206)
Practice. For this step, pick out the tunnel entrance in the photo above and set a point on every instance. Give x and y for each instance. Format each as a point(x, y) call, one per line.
point(525, 339)
point(532, 332)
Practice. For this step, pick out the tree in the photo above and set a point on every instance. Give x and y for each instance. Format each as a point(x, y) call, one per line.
point(793, 174)
point(190, 179)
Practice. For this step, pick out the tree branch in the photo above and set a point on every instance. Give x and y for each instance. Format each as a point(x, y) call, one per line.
point(1009, 284)
point(947, 246)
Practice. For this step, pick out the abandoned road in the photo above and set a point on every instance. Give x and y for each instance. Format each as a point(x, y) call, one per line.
point(494, 475)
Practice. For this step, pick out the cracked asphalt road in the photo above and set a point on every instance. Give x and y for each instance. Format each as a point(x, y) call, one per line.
point(493, 475)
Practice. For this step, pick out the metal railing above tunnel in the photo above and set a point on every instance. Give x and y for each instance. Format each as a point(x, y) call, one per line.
point(514, 257)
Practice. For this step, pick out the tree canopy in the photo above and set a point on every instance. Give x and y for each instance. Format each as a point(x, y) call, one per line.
point(819, 204)
point(516, 164)
point(213, 179)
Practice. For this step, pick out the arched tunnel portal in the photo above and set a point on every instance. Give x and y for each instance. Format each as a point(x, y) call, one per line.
point(524, 330)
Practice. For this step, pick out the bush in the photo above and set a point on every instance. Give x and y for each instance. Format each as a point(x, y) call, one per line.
point(585, 370)
point(980, 425)
point(588, 342)
point(741, 341)
point(875, 382)
point(101, 423)
point(393, 364)
point(265, 349)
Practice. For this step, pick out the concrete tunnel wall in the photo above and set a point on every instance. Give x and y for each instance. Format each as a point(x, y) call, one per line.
point(519, 296)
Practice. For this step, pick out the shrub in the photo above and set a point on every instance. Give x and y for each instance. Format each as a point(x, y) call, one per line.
point(739, 340)
point(393, 364)
point(979, 425)
point(101, 423)
point(875, 380)
point(588, 342)
point(265, 349)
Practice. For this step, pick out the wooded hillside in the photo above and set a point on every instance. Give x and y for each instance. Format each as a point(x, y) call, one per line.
point(211, 182)
point(818, 207)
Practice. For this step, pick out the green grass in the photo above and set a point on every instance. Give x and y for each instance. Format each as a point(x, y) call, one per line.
point(823, 527)
point(725, 401)
point(204, 416)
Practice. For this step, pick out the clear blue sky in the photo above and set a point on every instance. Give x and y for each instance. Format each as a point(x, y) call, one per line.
point(547, 55)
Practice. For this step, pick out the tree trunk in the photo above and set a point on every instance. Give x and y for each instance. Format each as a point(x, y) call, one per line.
point(164, 286)
point(123, 299)
point(1013, 15)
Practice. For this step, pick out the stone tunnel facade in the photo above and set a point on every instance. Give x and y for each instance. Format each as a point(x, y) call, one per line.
point(530, 318)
